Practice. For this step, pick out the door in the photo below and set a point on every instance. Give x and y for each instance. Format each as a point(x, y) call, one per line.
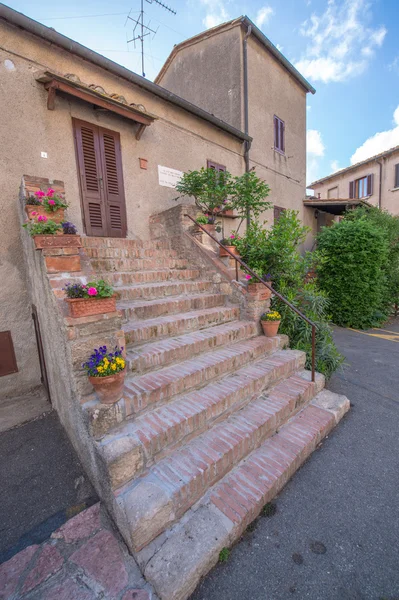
point(99, 159)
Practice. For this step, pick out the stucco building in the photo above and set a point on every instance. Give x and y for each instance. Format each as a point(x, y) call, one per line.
point(373, 181)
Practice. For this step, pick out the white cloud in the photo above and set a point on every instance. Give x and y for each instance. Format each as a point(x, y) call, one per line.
point(280, 48)
point(308, 107)
point(216, 13)
point(341, 42)
point(394, 65)
point(379, 142)
point(335, 166)
point(314, 143)
point(263, 15)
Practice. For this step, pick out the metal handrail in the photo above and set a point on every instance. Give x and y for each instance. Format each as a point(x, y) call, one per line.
point(282, 298)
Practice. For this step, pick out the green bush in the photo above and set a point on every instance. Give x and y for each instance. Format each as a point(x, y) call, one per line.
point(352, 261)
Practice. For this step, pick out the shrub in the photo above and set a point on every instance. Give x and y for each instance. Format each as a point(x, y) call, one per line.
point(208, 187)
point(352, 261)
point(248, 196)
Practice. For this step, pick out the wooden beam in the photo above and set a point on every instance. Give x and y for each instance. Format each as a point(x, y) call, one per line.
point(51, 98)
point(140, 131)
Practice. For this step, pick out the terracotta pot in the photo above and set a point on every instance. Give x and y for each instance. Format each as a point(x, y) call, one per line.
point(270, 328)
point(211, 227)
point(228, 213)
point(259, 290)
point(109, 389)
point(57, 216)
point(222, 251)
point(83, 307)
point(57, 241)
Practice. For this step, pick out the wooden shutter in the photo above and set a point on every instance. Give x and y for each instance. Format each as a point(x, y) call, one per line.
point(351, 189)
point(90, 169)
point(210, 164)
point(113, 183)
point(278, 211)
point(397, 175)
point(369, 185)
point(282, 136)
point(276, 132)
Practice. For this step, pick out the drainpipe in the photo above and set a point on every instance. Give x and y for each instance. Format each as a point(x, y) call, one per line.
point(380, 186)
point(246, 126)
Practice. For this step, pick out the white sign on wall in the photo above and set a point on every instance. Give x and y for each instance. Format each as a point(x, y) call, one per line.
point(168, 177)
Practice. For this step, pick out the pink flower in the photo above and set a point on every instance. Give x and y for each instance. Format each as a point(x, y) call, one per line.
point(34, 213)
point(39, 194)
point(248, 276)
point(232, 236)
point(50, 192)
point(92, 291)
point(51, 202)
point(42, 218)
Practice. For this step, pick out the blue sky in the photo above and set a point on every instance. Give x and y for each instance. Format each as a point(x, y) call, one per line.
point(347, 49)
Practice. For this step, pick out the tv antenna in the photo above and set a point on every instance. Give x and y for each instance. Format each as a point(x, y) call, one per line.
point(140, 30)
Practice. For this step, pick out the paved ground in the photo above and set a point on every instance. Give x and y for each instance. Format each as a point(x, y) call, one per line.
point(18, 410)
point(335, 534)
point(42, 484)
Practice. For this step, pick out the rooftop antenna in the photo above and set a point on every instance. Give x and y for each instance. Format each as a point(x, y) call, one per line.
point(140, 31)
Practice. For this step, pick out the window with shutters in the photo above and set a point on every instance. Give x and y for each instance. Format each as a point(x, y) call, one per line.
point(279, 135)
point(278, 211)
point(396, 176)
point(99, 161)
point(213, 165)
point(362, 187)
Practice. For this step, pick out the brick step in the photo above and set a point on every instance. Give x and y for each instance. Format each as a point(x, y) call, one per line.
point(174, 484)
point(137, 264)
point(133, 446)
point(139, 332)
point(151, 291)
point(149, 309)
point(146, 391)
point(130, 253)
point(102, 242)
point(163, 352)
point(221, 517)
point(121, 278)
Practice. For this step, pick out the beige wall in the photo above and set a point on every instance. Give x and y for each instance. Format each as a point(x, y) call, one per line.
point(178, 140)
point(389, 194)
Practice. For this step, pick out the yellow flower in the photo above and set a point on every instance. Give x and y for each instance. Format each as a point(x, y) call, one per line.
point(100, 369)
point(113, 367)
point(122, 364)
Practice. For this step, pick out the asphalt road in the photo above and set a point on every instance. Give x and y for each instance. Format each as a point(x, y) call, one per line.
point(335, 533)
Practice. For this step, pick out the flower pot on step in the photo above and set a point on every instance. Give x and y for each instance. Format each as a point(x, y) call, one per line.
point(57, 216)
point(260, 291)
point(84, 307)
point(270, 328)
point(109, 389)
point(233, 250)
point(57, 241)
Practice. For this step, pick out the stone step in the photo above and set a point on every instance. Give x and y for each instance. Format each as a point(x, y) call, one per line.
point(137, 264)
point(163, 352)
point(133, 446)
point(139, 332)
point(134, 277)
point(103, 242)
point(146, 391)
point(191, 548)
point(150, 309)
point(174, 484)
point(131, 253)
point(151, 291)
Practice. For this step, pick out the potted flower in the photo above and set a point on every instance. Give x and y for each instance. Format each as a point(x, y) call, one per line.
point(46, 233)
point(93, 298)
point(45, 204)
point(230, 244)
point(208, 222)
point(256, 288)
point(106, 371)
point(270, 323)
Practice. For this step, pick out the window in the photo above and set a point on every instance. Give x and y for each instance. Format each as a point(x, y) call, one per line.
point(397, 176)
point(279, 135)
point(212, 165)
point(278, 211)
point(332, 192)
point(361, 188)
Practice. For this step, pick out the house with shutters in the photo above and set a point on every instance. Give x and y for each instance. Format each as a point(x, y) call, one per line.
point(373, 181)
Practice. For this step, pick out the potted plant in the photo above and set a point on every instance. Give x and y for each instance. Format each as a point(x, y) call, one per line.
point(270, 323)
point(45, 204)
point(93, 298)
point(46, 233)
point(230, 244)
point(256, 288)
point(106, 371)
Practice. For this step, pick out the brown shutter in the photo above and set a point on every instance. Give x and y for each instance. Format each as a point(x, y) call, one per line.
point(89, 160)
point(276, 132)
point(397, 175)
point(351, 189)
point(113, 183)
point(369, 185)
point(282, 136)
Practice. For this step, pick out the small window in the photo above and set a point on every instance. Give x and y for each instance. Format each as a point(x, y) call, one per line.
point(362, 187)
point(397, 176)
point(279, 135)
point(278, 211)
point(213, 165)
point(332, 192)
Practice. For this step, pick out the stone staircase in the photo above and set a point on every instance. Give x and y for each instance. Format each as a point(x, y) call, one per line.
point(215, 417)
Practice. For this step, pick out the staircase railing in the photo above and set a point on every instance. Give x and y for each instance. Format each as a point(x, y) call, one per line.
point(282, 298)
